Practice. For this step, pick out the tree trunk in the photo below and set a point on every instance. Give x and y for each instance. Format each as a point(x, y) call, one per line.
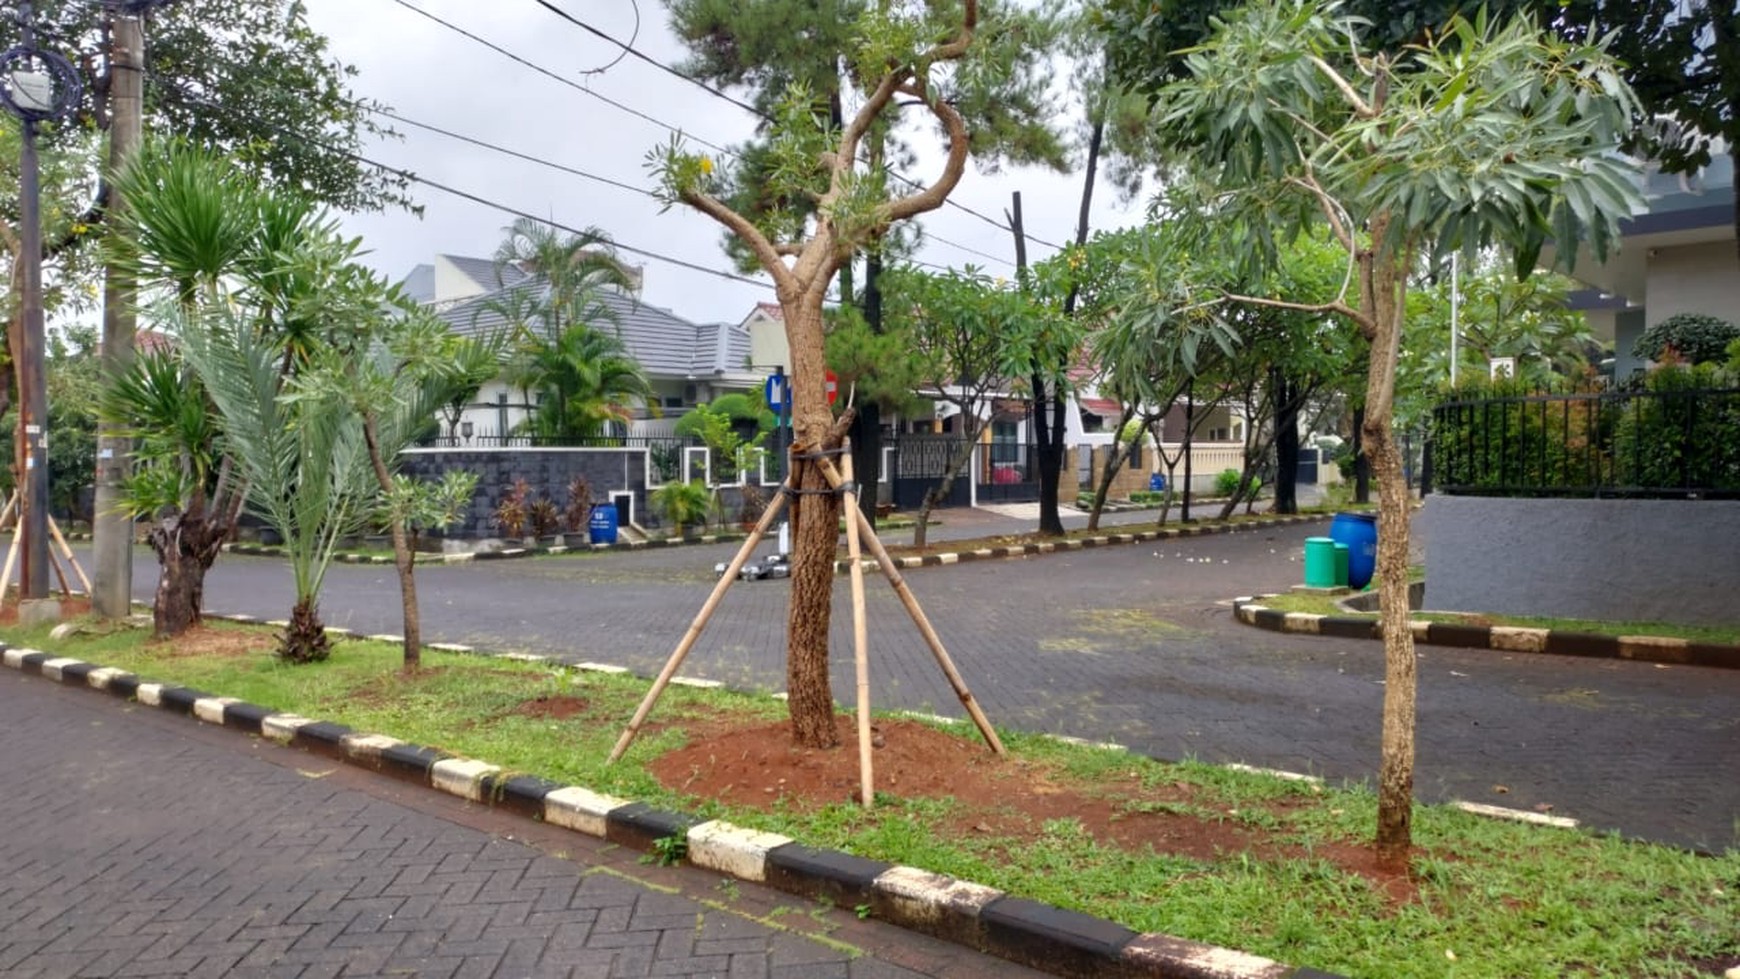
point(1361, 461)
point(1286, 444)
point(815, 534)
point(1109, 469)
point(404, 555)
point(940, 492)
point(305, 639)
point(1396, 774)
point(1050, 443)
point(176, 606)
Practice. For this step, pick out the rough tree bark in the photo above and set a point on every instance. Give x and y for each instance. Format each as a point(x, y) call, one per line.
point(404, 557)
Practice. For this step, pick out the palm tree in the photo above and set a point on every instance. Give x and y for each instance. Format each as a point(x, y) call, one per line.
point(557, 342)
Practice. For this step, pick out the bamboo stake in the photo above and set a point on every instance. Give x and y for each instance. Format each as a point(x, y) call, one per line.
point(695, 627)
point(11, 552)
point(860, 631)
point(9, 512)
point(66, 549)
point(921, 620)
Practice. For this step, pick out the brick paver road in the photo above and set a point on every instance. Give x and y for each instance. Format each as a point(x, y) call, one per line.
point(142, 844)
point(1132, 644)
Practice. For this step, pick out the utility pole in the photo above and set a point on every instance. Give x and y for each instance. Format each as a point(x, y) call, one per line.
point(112, 590)
point(36, 86)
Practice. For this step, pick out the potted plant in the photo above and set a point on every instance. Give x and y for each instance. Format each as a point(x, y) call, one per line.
point(750, 506)
point(545, 518)
point(511, 513)
point(683, 504)
point(578, 511)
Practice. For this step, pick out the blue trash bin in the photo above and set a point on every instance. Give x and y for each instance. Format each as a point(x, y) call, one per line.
point(1359, 532)
point(602, 527)
point(1157, 482)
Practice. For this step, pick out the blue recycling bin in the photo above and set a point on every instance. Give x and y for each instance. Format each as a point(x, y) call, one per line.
point(1359, 532)
point(1157, 482)
point(601, 529)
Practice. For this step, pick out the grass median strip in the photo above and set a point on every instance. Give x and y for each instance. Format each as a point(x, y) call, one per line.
point(1327, 605)
point(1276, 867)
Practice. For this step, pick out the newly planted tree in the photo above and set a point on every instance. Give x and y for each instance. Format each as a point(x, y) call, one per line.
point(838, 203)
point(1487, 133)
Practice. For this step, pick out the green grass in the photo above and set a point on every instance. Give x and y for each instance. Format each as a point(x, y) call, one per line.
point(1326, 605)
point(1505, 900)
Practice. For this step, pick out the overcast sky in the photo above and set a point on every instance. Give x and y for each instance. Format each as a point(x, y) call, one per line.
point(434, 75)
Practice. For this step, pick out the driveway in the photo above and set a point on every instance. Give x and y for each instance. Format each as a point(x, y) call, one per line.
point(1132, 644)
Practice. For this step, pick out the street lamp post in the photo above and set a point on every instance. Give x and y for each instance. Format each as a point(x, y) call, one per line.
point(36, 86)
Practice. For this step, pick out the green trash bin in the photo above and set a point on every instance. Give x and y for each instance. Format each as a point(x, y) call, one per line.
point(1319, 562)
point(1341, 553)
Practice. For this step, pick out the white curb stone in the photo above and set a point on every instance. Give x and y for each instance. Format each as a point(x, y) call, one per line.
point(450, 647)
point(1516, 815)
point(279, 623)
point(462, 777)
point(101, 677)
point(523, 657)
point(15, 657)
point(1649, 647)
point(1301, 622)
point(149, 694)
point(1159, 953)
point(949, 558)
point(457, 558)
point(696, 682)
point(922, 896)
point(1418, 627)
point(1518, 640)
point(928, 718)
point(211, 709)
point(385, 637)
point(742, 853)
point(1274, 773)
point(283, 727)
point(367, 745)
point(582, 810)
point(601, 668)
point(55, 668)
point(1085, 743)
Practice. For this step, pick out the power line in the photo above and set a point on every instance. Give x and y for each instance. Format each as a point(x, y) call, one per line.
point(667, 69)
point(516, 154)
point(717, 93)
point(540, 69)
point(467, 195)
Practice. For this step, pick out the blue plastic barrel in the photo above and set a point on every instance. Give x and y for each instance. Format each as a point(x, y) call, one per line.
point(1157, 482)
point(1359, 532)
point(602, 527)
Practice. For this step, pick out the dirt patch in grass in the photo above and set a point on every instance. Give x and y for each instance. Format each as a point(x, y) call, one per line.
point(205, 640)
point(759, 767)
point(552, 707)
point(69, 608)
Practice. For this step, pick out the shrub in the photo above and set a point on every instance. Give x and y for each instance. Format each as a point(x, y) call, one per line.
point(513, 510)
point(1227, 483)
point(543, 516)
point(682, 504)
point(1696, 338)
point(579, 509)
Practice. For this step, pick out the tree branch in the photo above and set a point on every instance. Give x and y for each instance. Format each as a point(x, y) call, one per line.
point(1332, 209)
point(932, 197)
point(1360, 108)
point(1337, 307)
point(765, 251)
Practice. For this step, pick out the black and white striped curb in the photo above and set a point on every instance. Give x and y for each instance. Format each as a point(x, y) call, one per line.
point(1085, 543)
point(1057, 940)
point(1513, 639)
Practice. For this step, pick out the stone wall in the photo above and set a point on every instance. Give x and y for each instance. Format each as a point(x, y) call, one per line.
point(1625, 560)
point(547, 471)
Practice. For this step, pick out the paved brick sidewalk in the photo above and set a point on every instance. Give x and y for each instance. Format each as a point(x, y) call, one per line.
point(141, 844)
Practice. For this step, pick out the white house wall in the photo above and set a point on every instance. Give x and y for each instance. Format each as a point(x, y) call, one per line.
point(1693, 279)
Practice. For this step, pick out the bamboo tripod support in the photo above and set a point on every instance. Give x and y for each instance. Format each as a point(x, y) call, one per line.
point(695, 627)
point(860, 630)
point(858, 532)
point(922, 621)
point(6, 516)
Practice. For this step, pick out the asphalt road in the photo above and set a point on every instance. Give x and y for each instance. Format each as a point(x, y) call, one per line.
point(1133, 644)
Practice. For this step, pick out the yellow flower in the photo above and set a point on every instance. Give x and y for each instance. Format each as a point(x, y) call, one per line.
point(707, 165)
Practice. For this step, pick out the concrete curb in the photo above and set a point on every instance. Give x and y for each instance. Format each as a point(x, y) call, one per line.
point(1053, 939)
point(1510, 639)
point(840, 567)
point(1084, 543)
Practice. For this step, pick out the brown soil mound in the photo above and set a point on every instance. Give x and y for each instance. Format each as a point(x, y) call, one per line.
point(760, 768)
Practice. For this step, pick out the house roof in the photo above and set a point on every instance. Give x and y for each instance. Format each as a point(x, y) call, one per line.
point(665, 345)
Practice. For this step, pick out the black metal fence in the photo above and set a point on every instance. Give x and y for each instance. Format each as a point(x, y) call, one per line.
point(1672, 441)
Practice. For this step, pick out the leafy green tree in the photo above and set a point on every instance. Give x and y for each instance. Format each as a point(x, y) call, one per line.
point(917, 56)
point(956, 325)
point(392, 377)
point(1693, 338)
point(1489, 133)
point(768, 48)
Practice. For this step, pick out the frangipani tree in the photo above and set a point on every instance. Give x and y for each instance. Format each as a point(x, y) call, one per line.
point(839, 202)
point(1489, 134)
